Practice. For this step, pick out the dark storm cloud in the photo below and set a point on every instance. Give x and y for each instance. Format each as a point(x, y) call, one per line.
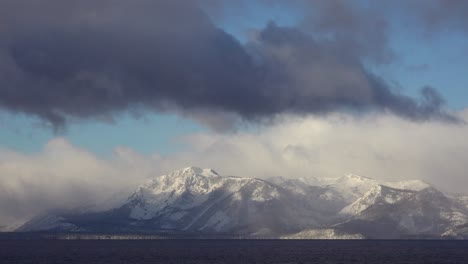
point(308, 76)
point(443, 15)
point(355, 29)
point(91, 59)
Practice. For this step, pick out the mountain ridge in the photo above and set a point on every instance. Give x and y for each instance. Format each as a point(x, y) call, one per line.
point(201, 201)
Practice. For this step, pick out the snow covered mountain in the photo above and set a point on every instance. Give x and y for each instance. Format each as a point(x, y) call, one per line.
point(194, 201)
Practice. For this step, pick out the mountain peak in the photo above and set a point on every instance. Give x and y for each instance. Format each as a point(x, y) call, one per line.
point(351, 176)
point(194, 171)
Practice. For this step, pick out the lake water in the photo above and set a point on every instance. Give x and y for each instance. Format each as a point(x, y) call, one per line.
point(231, 251)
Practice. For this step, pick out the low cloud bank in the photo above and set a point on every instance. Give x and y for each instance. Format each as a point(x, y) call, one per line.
point(381, 146)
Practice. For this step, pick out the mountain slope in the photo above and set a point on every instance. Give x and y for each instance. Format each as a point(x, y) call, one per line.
point(194, 201)
point(198, 201)
point(394, 213)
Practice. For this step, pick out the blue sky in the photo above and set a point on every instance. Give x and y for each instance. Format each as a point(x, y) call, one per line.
point(421, 60)
point(149, 134)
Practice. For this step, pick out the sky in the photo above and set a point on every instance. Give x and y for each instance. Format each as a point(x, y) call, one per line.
point(97, 96)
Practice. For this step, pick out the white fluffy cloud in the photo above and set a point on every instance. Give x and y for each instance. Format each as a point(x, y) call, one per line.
point(379, 146)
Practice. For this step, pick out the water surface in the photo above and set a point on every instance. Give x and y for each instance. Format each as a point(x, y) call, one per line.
point(231, 251)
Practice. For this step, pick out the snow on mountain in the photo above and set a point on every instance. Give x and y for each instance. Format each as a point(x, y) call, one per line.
point(48, 222)
point(398, 212)
point(182, 189)
point(322, 198)
point(196, 200)
point(412, 185)
point(12, 227)
point(460, 198)
point(201, 201)
point(327, 233)
point(377, 195)
point(351, 186)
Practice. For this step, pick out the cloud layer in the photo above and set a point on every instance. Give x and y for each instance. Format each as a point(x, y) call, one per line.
point(89, 59)
point(380, 146)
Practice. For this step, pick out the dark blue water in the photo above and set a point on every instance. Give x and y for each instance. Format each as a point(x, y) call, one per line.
point(231, 251)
